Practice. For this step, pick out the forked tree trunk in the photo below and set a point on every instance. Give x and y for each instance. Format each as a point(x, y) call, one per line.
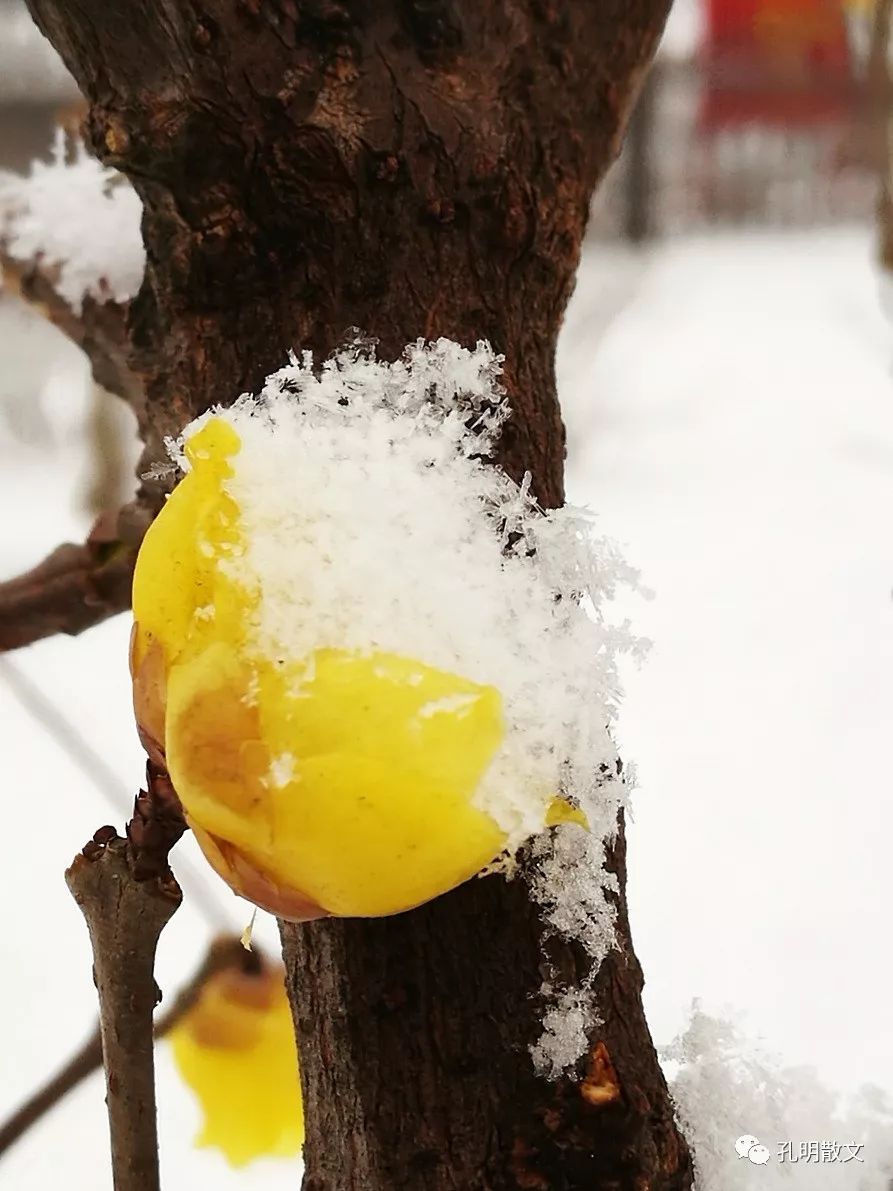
point(410, 168)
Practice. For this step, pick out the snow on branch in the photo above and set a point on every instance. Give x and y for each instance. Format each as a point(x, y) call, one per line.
point(753, 1123)
point(70, 245)
point(80, 220)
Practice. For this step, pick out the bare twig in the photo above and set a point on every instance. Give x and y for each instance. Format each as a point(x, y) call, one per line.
point(224, 953)
point(71, 590)
point(639, 148)
point(100, 329)
point(125, 918)
point(81, 1064)
point(881, 93)
point(77, 586)
point(156, 825)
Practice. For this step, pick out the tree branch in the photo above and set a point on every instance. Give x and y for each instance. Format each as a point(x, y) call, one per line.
point(75, 587)
point(125, 918)
point(224, 953)
point(81, 1064)
point(127, 894)
point(71, 590)
point(78, 586)
point(100, 330)
point(881, 95)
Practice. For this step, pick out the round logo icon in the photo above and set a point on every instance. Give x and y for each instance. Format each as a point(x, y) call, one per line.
point(748, 1146)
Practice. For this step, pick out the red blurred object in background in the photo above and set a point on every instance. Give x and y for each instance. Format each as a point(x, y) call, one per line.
point(776, 62)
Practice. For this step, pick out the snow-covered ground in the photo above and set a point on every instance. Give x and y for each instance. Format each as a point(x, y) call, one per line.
point(730, 419)
point(735, 430)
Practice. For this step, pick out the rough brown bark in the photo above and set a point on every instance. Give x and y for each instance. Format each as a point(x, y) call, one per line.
point(414, 1035)
point(412, 168)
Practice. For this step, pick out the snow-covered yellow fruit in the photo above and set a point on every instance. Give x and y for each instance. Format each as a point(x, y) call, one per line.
point(236, 1049)
point(337, 783)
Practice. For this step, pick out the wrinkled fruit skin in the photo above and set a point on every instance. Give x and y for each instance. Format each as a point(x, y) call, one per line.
point(236, 1049)
point(339, 783)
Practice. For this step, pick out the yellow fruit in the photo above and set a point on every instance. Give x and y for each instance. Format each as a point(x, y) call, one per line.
point(339, 783)
point(236, 1049)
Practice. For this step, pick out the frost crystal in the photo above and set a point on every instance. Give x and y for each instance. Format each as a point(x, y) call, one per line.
point(566, 1022)
point(374, 520)
point(725, 1089)
point(566, 876)
point(78, 217)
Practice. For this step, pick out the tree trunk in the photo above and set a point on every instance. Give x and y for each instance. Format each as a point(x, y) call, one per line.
point(880, 86)
point(410, 168)
point(639, 154)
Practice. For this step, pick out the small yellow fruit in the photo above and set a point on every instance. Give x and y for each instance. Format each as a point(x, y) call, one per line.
point(236, 1049)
